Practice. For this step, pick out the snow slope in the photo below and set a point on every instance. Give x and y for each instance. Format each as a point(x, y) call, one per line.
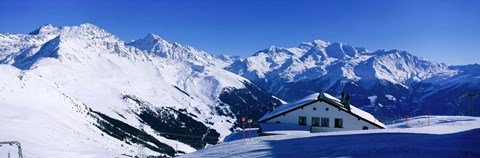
point(47, 122)
point(446, 136)
point(79, 91)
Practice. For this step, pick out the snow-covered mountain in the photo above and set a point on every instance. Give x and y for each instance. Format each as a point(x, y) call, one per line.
point(386, 83)
point(79, 91)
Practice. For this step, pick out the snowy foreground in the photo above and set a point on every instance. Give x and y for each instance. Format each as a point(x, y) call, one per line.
point(446, 136)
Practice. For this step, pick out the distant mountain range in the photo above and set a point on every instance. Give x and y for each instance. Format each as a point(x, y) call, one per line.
point(82, 90)
point(386, 83)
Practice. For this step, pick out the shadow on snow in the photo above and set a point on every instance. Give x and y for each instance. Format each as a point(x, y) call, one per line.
point(462, 144)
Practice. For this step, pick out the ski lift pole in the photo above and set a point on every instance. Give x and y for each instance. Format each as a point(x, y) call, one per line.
point(249, 128)
point(470, 98)
point(428, 119)
point(406, 120)
point(243, 127)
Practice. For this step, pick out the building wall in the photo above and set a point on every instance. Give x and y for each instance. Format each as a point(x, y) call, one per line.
point(349, 122)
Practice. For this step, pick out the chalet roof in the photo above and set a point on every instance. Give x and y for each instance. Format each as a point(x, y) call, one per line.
point(325, 97)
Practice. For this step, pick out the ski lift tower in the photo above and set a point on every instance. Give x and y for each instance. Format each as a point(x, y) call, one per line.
point(470, 98)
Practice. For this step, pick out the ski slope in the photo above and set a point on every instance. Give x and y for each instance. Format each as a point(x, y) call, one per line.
point(441, 136)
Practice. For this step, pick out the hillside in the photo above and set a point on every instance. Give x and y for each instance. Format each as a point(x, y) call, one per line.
point(445, 136)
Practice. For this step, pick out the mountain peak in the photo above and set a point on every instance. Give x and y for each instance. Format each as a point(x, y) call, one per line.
point(315, 43)
point(149, 42)
point(340, 44)
point(44, 29)
point(152, 36)
point(273, 49)
point(88, 31)
point(48, 26)
point(154, 39)
point(89, 26)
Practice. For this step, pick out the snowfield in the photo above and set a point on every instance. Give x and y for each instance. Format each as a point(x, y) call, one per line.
point(446, 136)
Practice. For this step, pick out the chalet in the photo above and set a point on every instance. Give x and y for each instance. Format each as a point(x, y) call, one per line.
point(319, 112)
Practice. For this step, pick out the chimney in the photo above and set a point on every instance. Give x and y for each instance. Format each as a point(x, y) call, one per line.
point(320, 96)
point(346, 103)
point(273, 106)
point(342, 100)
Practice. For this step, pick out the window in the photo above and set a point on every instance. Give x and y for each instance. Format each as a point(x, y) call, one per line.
point(315, 121)
point(314, 109)
point(278, 122)
point(365, 128)
point(325, 122)
point(302, 120)
point(326, 109)
point(338, 123)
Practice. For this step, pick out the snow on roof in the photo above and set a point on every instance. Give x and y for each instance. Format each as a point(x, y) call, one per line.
point(327, 97)
point(286, 107)
point(356, 111)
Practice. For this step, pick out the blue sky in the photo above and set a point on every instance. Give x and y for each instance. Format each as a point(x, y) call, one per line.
point(443, 31)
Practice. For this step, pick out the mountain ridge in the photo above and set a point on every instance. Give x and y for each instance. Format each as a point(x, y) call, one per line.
point(390, 76)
